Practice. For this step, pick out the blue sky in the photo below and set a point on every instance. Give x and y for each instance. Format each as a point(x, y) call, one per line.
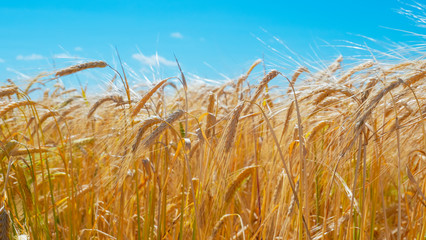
point(212, 39)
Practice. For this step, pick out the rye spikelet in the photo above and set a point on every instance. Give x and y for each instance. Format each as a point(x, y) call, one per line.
point(354, 70)
point(232, 127)
point(233, 187)
point(80, 67)
point(8, 91)
point(144, 126)
point(114, 98)
point(271, 75)
point(4, 223)
point(13, 105)
point(147, 96)
point(165, 124)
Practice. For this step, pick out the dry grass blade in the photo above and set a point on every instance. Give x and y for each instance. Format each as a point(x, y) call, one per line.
point(80, 67)
point(147, 96)
point(165, 124)
point(232, 127)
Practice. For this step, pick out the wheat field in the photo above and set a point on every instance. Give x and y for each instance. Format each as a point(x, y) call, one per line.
point(338, 154)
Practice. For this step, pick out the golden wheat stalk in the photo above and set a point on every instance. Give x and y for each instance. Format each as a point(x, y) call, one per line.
point(13, 105)
point(374, 101)
point(233, 187)
point(368, 88)
point(317, 128)
point(80, 67)
point(147, 96)
point(4, 92)
point(144, 126)
point(354, 70)
point(160, 129)
point(271, 75)
point(232, 127)
point(244, 77)
point(115, 98)
point(26, 151)
point(296, 76)
point(28, 197)
point(211, 120)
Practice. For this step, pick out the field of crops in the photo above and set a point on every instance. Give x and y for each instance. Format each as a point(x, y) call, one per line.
point(338, 154)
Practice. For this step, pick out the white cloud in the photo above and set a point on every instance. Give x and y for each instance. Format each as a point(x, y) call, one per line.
point(177, 35)
point(30, 57)
point(153, 60)
point(63, 55)
point(2, 60)
point(78, 49)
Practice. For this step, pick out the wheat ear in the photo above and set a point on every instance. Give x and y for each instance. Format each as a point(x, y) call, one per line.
point(375, 100)
point(114, 98)
point(354, 70)
point(13, 105)
point(80, 67)
point(271, 75)
point(144, 126)
point(8, 91)
point(296, 76)
point(147, 96)
point(211, 120)
point(233, 187)
point(232, 127)
point(165, 124)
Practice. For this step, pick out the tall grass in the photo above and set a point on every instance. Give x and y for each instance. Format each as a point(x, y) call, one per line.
point(339, 155)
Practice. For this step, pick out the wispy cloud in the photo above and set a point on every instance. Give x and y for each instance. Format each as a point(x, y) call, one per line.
point(2, 60)
point(78, 49)
point(177, 35)
point(63, 55)
point(153, 60)
point(29, 57)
